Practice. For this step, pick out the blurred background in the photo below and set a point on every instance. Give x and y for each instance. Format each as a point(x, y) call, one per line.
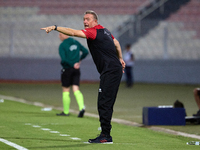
point(164, 37)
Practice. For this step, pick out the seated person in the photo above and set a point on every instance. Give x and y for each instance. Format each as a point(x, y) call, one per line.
point(197, 99)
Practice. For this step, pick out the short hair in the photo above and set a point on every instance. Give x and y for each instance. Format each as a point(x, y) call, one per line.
point(93, 13)
point(128, 46)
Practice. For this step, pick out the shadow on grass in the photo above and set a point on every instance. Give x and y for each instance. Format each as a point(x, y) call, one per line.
point(59, 146)
point(33, 113)
point(78, 143)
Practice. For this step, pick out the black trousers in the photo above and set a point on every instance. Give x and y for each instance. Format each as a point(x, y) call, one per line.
point(129, 76)
point(109, 85)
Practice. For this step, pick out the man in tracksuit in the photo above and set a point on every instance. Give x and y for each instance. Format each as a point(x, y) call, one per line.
point(107, 56)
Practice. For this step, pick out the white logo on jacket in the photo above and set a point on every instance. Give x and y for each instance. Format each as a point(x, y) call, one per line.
point(73, 47)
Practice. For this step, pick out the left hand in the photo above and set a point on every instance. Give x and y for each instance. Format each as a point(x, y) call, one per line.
point(77, 65)
point(123, 64)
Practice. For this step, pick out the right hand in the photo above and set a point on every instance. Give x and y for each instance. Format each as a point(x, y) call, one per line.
point(48, 29)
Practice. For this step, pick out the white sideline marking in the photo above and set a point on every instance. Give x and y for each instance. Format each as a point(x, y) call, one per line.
point(54, 132)
point(75, 138)
point(36, 126)
point(27, 123)
point(13, 144)
point(64, 135)
point(45, 129)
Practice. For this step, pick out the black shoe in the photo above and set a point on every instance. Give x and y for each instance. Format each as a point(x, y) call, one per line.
point(102, 139)
point(197, 114)
point(81, 113)
point(62, 114)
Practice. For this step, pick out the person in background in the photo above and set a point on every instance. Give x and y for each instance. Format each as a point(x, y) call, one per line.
point(71, 53)
point(129, 60)
point(196, 92)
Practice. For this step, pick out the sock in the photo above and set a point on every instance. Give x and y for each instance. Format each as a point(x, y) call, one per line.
point(79, 99)
point(66, 102)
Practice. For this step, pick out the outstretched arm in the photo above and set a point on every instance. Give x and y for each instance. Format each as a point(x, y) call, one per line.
point(64, 30)
point(119, 52)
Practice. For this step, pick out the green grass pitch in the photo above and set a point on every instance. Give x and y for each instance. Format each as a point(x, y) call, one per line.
point(30, 127)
